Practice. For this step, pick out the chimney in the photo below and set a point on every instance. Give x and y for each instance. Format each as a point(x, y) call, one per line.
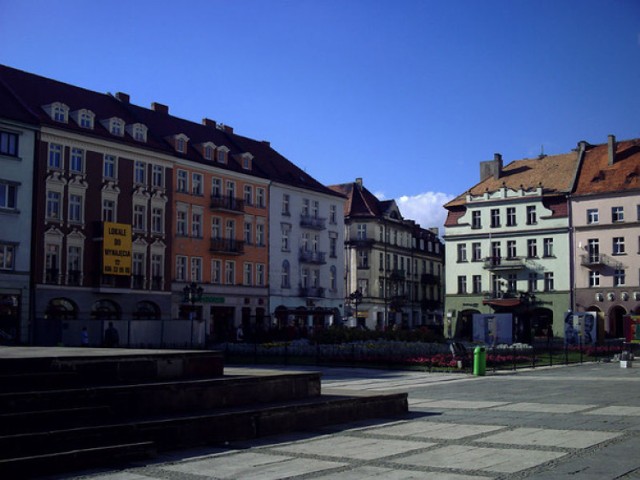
point(491, 168)
point(359, 182)
point(612, 149)
point(123, 97)
point(228, 129)
point(209, 123)
point(160, 108)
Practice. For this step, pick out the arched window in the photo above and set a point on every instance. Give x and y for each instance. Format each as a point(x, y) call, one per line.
point(146, 310)
point(61, 309)
point(106, 310)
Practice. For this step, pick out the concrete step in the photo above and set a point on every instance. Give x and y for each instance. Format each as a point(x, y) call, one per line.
point(31, 466)
point(42, 420)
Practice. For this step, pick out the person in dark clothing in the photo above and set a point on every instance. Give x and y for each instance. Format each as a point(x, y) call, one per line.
point(111, 336)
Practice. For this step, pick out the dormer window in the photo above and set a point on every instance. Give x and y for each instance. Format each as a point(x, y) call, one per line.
point(247, 159)
point(84, 118)
point(208, 150)
point(222, 155)
point(115, 126)
point(58, 112)
point(179, 142)
point(138, 131)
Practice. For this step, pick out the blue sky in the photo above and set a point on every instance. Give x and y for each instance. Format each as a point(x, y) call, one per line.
point(409, 95)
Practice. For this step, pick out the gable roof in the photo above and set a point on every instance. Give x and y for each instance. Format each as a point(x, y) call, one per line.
point(554, 173)
point(362, 203)
point(597, 176)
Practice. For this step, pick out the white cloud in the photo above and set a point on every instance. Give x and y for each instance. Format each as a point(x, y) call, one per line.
point(426, 209)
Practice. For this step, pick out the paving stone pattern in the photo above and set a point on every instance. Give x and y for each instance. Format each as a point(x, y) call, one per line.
point(569, 422)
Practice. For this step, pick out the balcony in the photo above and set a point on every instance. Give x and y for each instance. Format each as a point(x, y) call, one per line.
point(314, 223)
point(74, 277)
point(397, 275)
point(361, 242)
point(312, 292)
point(52, 275)
point(227, 204)
point(156, 283)
point(317, 258)
point(137, 282)
point(230, 246)
point(599, 260)
point(499, 263)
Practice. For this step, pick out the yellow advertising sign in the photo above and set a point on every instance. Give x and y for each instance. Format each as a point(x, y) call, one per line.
point(116, 251)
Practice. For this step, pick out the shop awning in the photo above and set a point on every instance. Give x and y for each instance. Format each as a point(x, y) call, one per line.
point(502, 302)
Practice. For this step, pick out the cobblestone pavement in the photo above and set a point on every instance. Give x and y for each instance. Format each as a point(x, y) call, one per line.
point(577, 422)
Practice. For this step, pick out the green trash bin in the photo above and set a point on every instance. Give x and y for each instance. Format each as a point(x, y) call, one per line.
point(479, 361)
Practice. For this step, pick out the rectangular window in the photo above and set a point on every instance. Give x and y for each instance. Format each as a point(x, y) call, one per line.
point(7, 256)
point(139, 172)
point(8, 196)
point(260, 235)
point(157, 215)
point(139, 217)
point(208, 152)
point(74, 265)
point(533, 282)
point(260, 198)
point(512, 283)
point(76, 164)
point(477, 284)
point(75, 208)
point(248, 274)
point(196, 183)
point(532, 248)
point(248, 227)
point(216, 228)
point(109, 167)
point(617, 214)
point(196, 224)
point(181, 223)
point(86, 120)
point(305, 207)
point(462, 252)
point(285, 204)
point(476, 219)
point(222, 156)
point(333, 247)
point(495, 218)
point(156, 271)
point(495, 253)
point(333, 214)
point(462, 284)
point(593, 247)
point(260, 280)
point(593, 216)
point(230, 272)
point(9, 144)
point(216, 271)
point(548, 282)
point(157, 176)
point(619, 277)
point(511, 216)
point(594, 278)
point(363, 259)
point(315, 210)
point(511, 249)
point(55, 156)
point(181, 268)
point(285, 230)
point(196, 269)
point(183, 181)
point(216, 187)
point(248, 195)
point(361, 233)
point(618, 246)
point(476, 251)
point(548, 247)
point(108, 210)
point(532, 218)
point(53, 205)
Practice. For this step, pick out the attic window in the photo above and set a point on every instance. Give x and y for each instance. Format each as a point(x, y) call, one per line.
point(115, 126)
point(222, 155)
point(247, 159)
point(58, 112)
point(84, 118)
point(208, 150)
point(179, 142)
point(138, 131)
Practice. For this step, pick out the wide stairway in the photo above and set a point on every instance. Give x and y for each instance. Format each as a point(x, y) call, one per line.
point(65, 409)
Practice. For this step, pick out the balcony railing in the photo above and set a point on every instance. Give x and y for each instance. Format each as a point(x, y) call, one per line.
point(397, 275)
point(599, 260)
point(314, 292)
point(74, 277)
point(137, 282)
point(307, 256)
point(315, 223)
point(500, 263)
point(230, 246)
point(156, 283)
point(229, 204)
point(51, 275)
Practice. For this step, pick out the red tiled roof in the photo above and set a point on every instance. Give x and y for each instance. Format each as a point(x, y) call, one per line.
point(360, 201)
point(597, 176)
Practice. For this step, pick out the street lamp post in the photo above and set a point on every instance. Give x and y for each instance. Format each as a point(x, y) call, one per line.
point(356, 298)
point(192, 294)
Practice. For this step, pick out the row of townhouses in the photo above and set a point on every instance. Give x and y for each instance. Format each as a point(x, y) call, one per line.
point(179, 232)
point(541, 237)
